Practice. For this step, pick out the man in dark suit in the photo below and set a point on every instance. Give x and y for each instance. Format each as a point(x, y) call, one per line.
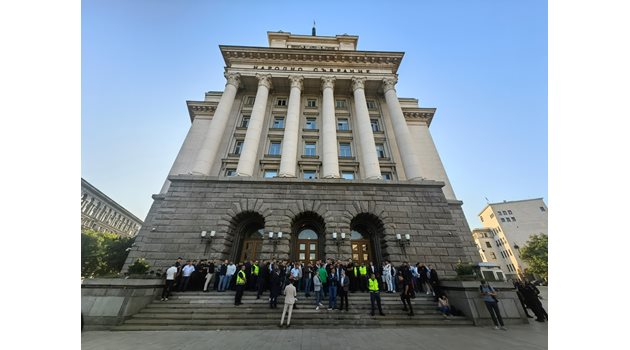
point(275, 285)
point(263, 279)
point(344, 287)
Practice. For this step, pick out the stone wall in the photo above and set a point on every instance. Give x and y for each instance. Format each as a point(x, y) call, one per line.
point(464, 295)
point(106, 302)
point(194, 204)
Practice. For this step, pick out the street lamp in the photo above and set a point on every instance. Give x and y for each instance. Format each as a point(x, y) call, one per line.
point(274, 239)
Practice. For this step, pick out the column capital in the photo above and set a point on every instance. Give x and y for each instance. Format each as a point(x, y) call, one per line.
point(264, 80)
point(358, 83)
point(388, 84)
point(297, 81)
point(233, 79)
point(328, 82)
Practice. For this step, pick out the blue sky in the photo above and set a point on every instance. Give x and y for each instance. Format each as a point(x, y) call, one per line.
point(482, 64)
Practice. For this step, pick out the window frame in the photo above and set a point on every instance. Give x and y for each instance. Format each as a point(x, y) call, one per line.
point(271, 148)
point(308, 143)
point(349, 148)
point(347, 124)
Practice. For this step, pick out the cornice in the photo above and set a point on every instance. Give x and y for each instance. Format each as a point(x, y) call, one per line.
point(283, 56)
point(419, 114)
point(201, 108)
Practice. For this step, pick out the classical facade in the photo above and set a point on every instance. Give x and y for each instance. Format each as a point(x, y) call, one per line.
point(101, 213)
point(308, 153)
point(507, 227)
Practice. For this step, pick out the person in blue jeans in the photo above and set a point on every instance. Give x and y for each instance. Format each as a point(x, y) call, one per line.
point(333, 281)
point(489, 296)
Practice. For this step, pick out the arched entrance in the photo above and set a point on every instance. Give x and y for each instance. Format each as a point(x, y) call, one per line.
point(308, 229)
point(247, 230)
point(367, 231)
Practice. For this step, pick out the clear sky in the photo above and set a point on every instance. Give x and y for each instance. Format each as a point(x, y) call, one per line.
point(482, 64)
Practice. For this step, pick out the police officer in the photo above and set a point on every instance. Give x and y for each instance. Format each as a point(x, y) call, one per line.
point(375, 295)
point(241, 279)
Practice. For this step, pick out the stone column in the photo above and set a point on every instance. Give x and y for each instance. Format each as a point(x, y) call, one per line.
point(290, 142)
point(330, 163)
point(368, 156)
point(410, 160)
point(247, 159)
point(210, 147)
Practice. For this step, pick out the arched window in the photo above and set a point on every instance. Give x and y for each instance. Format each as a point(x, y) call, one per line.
point(307, 234)
point(356, 235)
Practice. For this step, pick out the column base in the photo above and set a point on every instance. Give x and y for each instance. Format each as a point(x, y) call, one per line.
point(419, 178)
point(287, 175)
point(197, 173)
point(374, 178)
point(331, 177)
point(244, 175)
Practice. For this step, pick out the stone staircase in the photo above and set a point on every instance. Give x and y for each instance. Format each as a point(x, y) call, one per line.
point(216, 311)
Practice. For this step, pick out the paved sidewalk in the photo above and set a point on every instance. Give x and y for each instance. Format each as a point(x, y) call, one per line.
point(526, 336)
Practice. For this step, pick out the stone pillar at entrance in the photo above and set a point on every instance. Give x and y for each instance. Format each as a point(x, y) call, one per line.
point(210, 147)
point(247, 159)
point(290, 142)
point(410, 160)
point(330, 163)
point(368, 156)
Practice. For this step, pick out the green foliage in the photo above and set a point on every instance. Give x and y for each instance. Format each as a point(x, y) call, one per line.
point(139, 267)
point(103, 253)
point(464, 269)
point(535, 254)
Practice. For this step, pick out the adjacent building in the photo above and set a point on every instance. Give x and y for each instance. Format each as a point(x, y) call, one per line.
point(308, 153)
point(507, 227)
point(103, 214)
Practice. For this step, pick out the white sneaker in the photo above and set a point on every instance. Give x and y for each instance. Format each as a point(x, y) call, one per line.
point(162, 299)
point(320, 304)
point(329, 308)
point(166, 299)
point(317, 308)
point(496, 328)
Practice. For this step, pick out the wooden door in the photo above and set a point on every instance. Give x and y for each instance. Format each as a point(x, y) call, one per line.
point(361, 251)
point(251, 250)
point(307, 250)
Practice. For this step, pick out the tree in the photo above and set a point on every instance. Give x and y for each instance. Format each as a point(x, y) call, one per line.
point(103, 253)
point(535, 254)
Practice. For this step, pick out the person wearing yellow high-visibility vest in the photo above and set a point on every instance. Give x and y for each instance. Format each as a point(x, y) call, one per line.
point(255, 270)
point(375, 295)
point(363, 278)
point(241, 279)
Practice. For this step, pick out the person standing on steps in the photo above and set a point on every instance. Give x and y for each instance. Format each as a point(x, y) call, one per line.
point(168, 282)
point(274, 288)
point(375, 296)
point(344, 287)
point(209, 275)
point(333, 282)
point(319, 291)
point(186, 274)
point(290, 294)
point(241, 280)
point(406, 290)
point(489, 296)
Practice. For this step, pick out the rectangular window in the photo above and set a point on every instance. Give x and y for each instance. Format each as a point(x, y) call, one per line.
point(245, 121)
point(340, 103)
point(513, 218)
point(311, 103)
point(493, 256)
point(238, 147)
point(249, 101)
point(491, 216)
point(542, 208)
point(387, 175)
point(510, 212)
point(380, 150)
point(502, 220)
point(504, 213)
point(481, 218)
point(348, 175)
point(274, 148)
point(488, 245)
point(311, 123)
point(371, 104)
point(230, 172)
point(309, 174)
point(508, 220)
point(310, 149)
point(271, 173)
point(345, 150)
point(278, 122)
point(342, 124)
point(281, 102)
point(375, 125)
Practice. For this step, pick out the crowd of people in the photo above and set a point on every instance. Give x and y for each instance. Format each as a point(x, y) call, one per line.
point(329, 280)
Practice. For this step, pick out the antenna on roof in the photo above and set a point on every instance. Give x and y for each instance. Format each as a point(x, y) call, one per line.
point(313, 32)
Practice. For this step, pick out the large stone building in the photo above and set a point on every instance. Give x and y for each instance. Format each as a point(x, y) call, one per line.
point(507, 227)
point(103, 214)
point(308, 153)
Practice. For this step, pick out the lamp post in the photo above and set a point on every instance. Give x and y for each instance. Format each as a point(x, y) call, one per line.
point(274, 238)
point(403, 242)
point(339, 239)
point(208, 239)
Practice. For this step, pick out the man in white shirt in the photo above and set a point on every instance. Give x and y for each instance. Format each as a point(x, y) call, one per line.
point(290, 294)
point(168, 282)
point(231, 270)
point(186, 273)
